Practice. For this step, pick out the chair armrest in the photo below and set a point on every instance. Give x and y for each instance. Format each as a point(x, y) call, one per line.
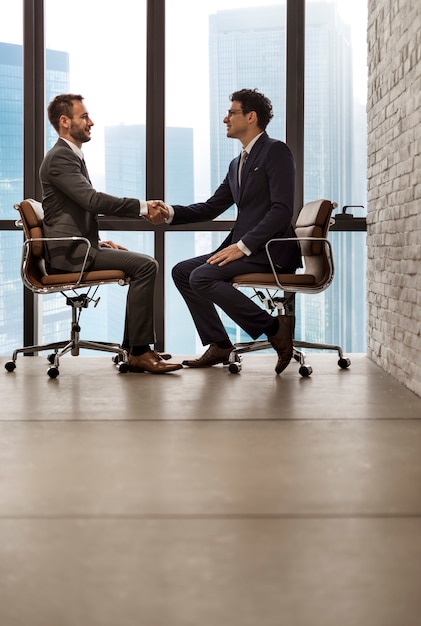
point(276, 275)
point(27, 242)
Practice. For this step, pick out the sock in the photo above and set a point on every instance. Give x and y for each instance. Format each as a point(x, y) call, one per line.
point(273, 328)
point(139, 350)
point(224, 344)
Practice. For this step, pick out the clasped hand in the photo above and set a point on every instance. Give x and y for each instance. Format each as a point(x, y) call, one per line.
point(157, 212)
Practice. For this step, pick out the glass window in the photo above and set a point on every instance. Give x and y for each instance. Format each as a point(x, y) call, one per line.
point(224, 45)
point(337, 316)
point(232, 44)
point(11, 292)
point(100, 52)
point(335, 97)
point(11, 174)
point(11, 108)
point(181, 336)
point(335, 148)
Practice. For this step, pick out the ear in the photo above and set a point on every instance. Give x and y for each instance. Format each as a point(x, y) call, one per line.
point(64, 121)
point(252, 117)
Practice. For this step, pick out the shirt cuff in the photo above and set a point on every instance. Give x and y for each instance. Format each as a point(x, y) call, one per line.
point(143, 208)
point(243, 248)
point(171, 214)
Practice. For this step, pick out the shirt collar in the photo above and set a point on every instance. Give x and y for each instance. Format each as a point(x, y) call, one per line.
point(74, 147)
point(249, 146)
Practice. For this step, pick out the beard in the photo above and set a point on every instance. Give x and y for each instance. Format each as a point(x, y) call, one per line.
point(79, 135)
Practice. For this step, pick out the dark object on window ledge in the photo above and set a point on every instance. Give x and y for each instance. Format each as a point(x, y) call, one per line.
point(344, 214)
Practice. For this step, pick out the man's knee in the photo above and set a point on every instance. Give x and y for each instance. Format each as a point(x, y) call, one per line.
point(148, 267)
point(152, 264)
point(201, 278)
point(180, 273)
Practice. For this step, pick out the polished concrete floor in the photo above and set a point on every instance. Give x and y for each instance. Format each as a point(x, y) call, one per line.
point(204, 498)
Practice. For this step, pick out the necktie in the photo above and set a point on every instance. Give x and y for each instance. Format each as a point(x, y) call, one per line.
point(85, 170)
point(243, 159)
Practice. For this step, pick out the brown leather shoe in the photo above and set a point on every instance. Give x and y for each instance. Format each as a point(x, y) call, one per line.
point(282, 341)
point(151, 362)
point(212, 356)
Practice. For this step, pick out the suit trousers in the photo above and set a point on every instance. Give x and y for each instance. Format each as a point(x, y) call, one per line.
point(203, 286)
point(142, 269)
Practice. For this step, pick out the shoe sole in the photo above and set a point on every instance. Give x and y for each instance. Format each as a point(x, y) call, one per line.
point(137, 370)
point(193, 365)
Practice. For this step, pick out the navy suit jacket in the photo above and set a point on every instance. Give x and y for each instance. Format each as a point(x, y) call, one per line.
point(71, 207)
point(265, 203)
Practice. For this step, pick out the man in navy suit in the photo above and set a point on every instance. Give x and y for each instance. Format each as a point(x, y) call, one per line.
point(71, 208)
point(261, 185)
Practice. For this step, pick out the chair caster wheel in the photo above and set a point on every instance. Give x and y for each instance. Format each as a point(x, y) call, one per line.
point(118, 358)
point(344, 363)
point(53, 372)
point(51, 358)
point(10, 366)
point(234, 368)
point(305, 370)
point(123, 367)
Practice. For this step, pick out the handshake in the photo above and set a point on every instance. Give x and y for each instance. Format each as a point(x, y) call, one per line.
point(157, 212)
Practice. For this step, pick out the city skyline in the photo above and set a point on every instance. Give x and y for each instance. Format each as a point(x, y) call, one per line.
point(90, 73)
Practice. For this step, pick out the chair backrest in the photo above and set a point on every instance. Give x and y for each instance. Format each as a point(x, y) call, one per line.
point(33, 265)
point(314, 221)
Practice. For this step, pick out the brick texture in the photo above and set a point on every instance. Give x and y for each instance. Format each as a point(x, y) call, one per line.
point(394, 189)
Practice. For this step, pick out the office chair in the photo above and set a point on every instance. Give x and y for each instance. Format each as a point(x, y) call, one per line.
point(35, 278)
point(277, 291)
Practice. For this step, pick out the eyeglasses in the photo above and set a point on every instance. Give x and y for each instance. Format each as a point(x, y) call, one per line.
point(230, 112)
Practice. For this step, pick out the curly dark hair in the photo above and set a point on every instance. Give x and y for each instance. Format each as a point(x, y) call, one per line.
point(62, 105)
point(252, 100)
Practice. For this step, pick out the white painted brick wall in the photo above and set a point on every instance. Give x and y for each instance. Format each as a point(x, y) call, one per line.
point(394, 189)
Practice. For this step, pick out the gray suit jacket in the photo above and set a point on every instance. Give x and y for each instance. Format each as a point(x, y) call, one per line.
point(71, 208)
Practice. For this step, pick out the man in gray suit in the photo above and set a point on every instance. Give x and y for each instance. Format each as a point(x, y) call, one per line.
point(260, 182)
point(71, 208)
